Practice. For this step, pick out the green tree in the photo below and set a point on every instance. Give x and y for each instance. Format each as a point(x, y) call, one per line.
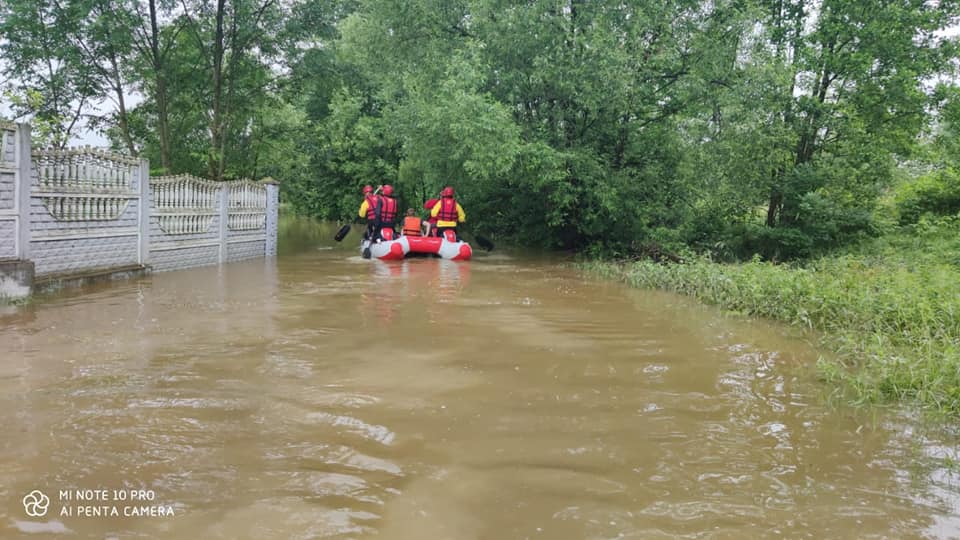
point(237, 41)
point(154, 43)
point(49, 81)
point(99, 31)
point(853, 100)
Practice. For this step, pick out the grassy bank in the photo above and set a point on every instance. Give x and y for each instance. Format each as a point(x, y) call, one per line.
point(890, 309)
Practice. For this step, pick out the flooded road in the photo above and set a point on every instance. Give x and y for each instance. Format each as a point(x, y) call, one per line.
point(321, 395)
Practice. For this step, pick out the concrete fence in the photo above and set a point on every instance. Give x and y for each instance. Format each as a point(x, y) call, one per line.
point(81, 213)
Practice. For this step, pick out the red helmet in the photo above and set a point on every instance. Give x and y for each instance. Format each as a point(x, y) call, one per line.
point(388, 190)
point(367, 189)
point(447, 192)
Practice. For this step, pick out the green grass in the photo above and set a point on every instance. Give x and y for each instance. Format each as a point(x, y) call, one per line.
point(890, 309)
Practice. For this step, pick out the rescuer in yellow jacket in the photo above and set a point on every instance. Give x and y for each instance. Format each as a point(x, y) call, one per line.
point(448, 212)
point(368, 209)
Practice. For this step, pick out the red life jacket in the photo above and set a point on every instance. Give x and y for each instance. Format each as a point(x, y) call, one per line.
point(448, 210)
point(372, 207)
point(429, 206)
point(388, 210)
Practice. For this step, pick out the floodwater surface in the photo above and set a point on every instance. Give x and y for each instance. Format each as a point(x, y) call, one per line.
point(320, 395)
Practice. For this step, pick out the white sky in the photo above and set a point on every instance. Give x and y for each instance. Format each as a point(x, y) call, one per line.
point(82, 134)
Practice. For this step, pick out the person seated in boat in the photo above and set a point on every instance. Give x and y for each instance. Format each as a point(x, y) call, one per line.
point(368, 210)
point(386, 211)
point(411, 223)
point(448, 213)
point(430, 227)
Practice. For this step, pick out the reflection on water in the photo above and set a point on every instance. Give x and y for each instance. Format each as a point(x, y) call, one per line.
point(431, 282)
point(323, 395)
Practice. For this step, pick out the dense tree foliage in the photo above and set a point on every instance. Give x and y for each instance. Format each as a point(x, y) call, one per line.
point(732, 126)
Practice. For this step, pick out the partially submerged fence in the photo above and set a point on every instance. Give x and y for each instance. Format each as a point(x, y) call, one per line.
point(185, 227)
point(85, 210)
point(86, 207)
point(196, 221)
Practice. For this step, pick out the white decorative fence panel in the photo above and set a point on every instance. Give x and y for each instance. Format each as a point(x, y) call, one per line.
point(185, 222)
point(247, 220)
point(84, 211)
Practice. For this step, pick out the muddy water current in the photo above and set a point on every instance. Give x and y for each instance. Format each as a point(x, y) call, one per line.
point(320, 395)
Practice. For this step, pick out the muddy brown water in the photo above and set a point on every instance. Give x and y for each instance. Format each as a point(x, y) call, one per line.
point(321, 395)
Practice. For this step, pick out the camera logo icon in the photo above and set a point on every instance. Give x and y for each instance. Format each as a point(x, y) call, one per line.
point(35, 503)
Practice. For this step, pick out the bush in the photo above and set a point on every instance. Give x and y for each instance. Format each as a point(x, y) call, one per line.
point(937, 193)
point(770, 243)
point(896, 330)
point(820, 225)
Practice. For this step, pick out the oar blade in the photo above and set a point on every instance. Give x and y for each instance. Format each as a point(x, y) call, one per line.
point(484, 242)
point(342, 232)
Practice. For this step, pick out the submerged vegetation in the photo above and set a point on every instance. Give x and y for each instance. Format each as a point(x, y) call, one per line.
point(889, 307)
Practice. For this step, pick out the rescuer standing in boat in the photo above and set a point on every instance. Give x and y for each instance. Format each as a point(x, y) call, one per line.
point(448, 212)
point(386, 211)
point(368, 210)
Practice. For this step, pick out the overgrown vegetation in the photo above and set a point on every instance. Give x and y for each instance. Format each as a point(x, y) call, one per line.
point(890, 307)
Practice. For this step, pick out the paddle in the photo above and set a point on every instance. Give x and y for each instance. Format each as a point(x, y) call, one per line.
point(342, 232)
point(484, 242)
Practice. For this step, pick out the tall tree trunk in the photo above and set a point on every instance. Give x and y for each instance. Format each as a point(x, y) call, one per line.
point(776, 198)
point(159, 67)
point(217, 142)
point(122, 107)
point(789, 40)
point(124, 125)
point(163, 122)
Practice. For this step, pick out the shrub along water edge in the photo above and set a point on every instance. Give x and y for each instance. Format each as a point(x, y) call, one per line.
point(895, 328)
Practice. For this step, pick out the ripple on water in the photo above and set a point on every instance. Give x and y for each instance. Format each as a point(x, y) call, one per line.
point(298, 403)
point(340, 456)
point(697, 510)
point(204, 403)
point(303, 519)
point(380, 434)
point(283, 365)
point(41, 527)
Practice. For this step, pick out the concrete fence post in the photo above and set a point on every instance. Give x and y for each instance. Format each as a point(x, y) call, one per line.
point(16, 274)
point(224, 206)
point(146, 203)
point(23, 159)
point(273, 210)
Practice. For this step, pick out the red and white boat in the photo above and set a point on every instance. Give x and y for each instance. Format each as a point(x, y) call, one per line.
point(394, 247)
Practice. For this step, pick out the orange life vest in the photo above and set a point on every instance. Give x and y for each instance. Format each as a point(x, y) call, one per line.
point(411, 226)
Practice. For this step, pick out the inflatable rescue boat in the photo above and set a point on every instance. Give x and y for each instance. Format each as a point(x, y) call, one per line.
point(394, 247)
